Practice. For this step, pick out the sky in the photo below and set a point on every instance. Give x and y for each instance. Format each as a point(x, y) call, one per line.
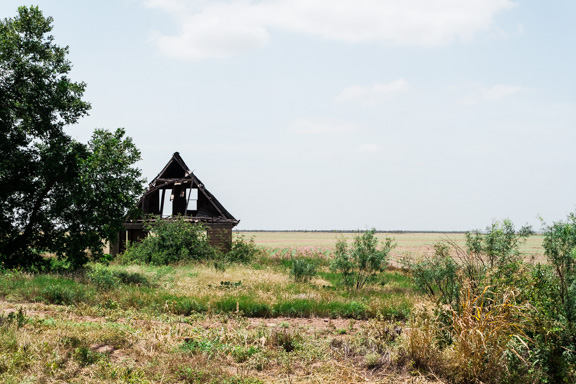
point(340, 114)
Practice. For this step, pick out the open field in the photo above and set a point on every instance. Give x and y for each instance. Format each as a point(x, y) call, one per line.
point(239, 323)
point(192, 323)
point(70, 344)
point(414, 244)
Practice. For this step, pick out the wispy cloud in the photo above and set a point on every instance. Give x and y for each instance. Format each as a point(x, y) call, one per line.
point(374, 94)
point(477, 92)
point(224, 28)
point(322, 126)
point(500, 91)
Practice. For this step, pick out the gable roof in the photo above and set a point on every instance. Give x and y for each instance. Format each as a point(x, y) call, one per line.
point(176, 175)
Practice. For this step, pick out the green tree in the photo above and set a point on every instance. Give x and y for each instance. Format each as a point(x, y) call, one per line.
point(361, 262)
point(57, 195)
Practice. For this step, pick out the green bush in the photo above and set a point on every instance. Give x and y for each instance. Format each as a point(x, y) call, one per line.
point(553, 299)
point(105, 279)
point(363, 261)
point(500, 245)
point(438, 276)
point(242, 250)
point(171, 241)
point(303, 269)
point(491, 259)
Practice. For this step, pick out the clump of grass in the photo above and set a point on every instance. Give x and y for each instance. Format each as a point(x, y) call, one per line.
point(64, 293)
point(17, 318)
point(372, 360)
point(85, 356)
point(244, 305)
point(286, 338)
point(242, 354)
point(421, 345)
point(481, 333)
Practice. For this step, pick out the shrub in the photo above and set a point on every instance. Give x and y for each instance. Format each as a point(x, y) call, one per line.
point(499, 246)
point(372, 360)
point(439, 276)
point(105, 279)
point(303, 269)
point(489, 259)
point(553, 299)
point(242, 250)
point(361, 262)
point(171, 241)
point(560, 248)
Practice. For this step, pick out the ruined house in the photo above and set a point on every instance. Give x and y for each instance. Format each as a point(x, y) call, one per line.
point(177, 191)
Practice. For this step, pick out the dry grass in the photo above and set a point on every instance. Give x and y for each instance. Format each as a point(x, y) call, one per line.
point(61, 345)
point(482, 331)
point(471, 346)
point(409, 244)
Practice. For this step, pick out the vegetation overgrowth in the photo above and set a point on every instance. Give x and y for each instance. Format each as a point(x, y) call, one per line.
point(471, 312)
point(494, 317)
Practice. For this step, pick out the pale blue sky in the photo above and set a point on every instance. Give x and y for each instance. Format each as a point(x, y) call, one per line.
point(341, 114)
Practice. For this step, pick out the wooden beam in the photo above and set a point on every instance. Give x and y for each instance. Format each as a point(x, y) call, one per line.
point(162, 202)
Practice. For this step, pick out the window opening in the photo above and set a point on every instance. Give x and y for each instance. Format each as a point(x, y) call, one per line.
point(192, 200)
point(167, 206)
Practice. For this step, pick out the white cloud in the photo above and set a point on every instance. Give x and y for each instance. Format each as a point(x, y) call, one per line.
point(369, 148)
point(322, 126)
point(477, 92)
point(500, 91)
point(374, 94)
point(219, 30)
point(223, 28)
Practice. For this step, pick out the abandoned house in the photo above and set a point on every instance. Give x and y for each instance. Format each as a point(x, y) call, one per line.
point(177, 191)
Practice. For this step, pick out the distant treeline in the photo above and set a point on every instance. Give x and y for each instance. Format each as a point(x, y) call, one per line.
point(339, 231)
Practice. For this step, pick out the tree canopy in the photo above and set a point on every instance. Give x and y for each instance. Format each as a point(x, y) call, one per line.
point(57, 195)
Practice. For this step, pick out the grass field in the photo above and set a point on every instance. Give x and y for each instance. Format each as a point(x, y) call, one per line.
point(192, 323)
point(408, 244)
point(196, 322)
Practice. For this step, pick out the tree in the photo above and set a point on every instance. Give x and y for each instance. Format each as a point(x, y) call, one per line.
point(56, 195)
